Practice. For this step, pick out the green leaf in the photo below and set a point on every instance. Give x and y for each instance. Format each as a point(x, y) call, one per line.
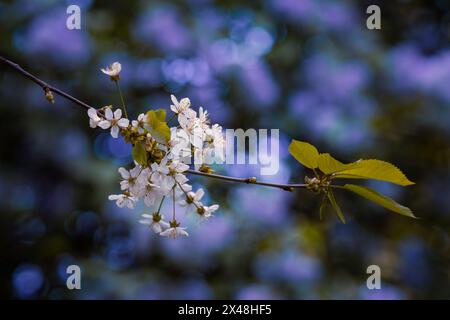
point(304, 153)
point(323, 206)
point(160, 114)
point(375, 169)
point(382, 200)
point(328, 165)
point(139, 154)
point(336, 207)
point(159, 128)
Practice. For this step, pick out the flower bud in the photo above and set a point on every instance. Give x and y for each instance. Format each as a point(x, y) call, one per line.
point(49, 95)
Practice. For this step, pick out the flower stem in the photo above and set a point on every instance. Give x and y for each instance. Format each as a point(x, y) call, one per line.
point(171, 118)
point(121, 98)
point(160, 205)
point(173, 190)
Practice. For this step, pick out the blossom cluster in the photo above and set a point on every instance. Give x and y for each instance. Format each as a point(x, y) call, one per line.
point(161, 158)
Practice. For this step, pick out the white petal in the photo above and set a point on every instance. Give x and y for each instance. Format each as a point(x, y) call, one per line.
point(181, 167)
point(182, 232)
point(123, 123)
point(199, 194)
point(92, 123)
point(164, 224)
point(135, 171)
point(146, 222)
point(124, 173)
point(181, 178)
point(120, 202)
point(174, 99)
point(92, 113)
point(115, 131)
point(182, 203)
point(117, 67)
point(104, 124)
point(129, 203)
point(113, 197)
point(168, 233)
point(124, 185)
point(105, 71)
point(118, 114)
point(149, 200)
point(173, 108)
point(108, 114)
point(156, 227)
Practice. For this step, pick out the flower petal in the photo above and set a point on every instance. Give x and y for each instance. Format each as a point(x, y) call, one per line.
point(123, 123)
point(92, 113)
point(92, 123)
point(118, 114)
point(115, 131)
point(174, 99)
point(156, 227)
point(108, 114)
point(199, 194)
point(124, 173)
point(104, 124)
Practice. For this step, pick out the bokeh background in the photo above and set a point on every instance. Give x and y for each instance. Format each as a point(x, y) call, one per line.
point(310, 68)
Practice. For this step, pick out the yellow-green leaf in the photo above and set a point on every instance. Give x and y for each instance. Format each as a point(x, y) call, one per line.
point(159, 128)
point(382, 200)
point(336, 207)
point(375, 169)
point(160, 114)
point(304, 153)
point(328, 165)
point(139, 154)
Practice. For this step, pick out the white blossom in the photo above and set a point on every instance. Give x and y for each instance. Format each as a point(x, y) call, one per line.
point(131, 180)
point(179, 107)
point(140, 122)
point(152, 193)
point(113, 70)
point(192, 200)
point(174, 232)
point(155, 222)
point(165, 174)
point(123, 200)
point(115, 121)
point(206, 212)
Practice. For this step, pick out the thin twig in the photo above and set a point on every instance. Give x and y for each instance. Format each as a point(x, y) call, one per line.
point(286, 187)
point(45, 86)
point(121, 98)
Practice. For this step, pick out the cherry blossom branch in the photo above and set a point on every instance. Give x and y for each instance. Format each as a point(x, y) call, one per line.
point(44, 85)
point(47, 87)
